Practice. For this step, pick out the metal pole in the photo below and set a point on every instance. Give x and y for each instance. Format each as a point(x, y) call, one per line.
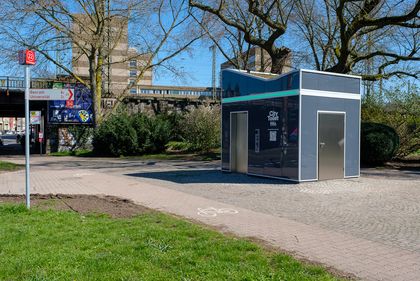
point(27, 136)
point(213, 72)
point(41, 142)
point(40, 147)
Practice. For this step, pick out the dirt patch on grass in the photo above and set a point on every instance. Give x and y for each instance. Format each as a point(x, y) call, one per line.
point(84, 204)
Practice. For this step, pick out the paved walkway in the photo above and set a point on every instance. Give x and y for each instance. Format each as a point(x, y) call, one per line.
point(173, 192)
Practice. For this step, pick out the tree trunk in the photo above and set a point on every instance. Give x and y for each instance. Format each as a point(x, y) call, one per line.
point(98, 90)
point(339, 68)
point(278, 60)
point(93, 87)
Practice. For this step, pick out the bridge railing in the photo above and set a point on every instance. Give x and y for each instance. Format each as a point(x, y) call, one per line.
point(141, 90)
point(18, 83)
point(8, 82)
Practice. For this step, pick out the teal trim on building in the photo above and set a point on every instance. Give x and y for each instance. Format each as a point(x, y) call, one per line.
point(261, 96)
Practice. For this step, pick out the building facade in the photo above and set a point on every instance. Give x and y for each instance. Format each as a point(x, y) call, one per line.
point(12, 124)
point(299, 126)
point(123, 64)
point(135, 64)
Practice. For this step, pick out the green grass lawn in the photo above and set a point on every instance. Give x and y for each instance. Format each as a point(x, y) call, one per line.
point(50, 245)
point(79, 153)
point(7, 166)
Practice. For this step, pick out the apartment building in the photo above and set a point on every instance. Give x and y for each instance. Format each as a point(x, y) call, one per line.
point(123, 64)
point(135, 64)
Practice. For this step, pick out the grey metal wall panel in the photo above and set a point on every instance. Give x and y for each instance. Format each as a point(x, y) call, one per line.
point(226, 138)
point(332, 83)
point(310, 106)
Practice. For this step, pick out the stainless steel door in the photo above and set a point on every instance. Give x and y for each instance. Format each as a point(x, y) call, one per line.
point(331, 146)
point(239, 142)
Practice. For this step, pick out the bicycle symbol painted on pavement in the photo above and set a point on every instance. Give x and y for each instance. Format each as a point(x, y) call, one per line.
point(212, 212)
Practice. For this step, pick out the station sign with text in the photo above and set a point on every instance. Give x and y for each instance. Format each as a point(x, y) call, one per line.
point(52, 94)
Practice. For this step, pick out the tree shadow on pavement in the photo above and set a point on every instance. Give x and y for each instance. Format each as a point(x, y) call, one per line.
point(207, 176)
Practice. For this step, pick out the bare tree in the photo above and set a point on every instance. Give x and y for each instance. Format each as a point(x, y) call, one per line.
point(165, 33)
point(260, 22)
point(228, 40)
point(375, 38)
point(157, 28)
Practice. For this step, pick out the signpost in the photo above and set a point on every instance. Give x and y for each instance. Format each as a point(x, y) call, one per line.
point(40, 140)
point(27, 58)
point(51, 94)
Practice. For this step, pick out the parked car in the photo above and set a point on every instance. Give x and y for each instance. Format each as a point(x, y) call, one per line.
point(1, 141)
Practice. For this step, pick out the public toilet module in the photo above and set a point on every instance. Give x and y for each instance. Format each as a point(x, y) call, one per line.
point(299, 126)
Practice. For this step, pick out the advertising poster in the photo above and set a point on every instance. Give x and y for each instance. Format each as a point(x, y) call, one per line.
point(35, 117)
point(77, 111)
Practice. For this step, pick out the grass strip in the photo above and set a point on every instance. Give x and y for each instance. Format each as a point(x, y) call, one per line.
point(7, 166)
point(57, 245)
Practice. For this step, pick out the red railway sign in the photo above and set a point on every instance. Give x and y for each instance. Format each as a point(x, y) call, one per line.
point(27, 57)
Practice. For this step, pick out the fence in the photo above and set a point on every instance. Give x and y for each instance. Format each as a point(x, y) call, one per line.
point(7, 82)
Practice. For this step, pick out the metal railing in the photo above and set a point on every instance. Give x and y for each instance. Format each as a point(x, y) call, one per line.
point(18, 83)
point(141, 90)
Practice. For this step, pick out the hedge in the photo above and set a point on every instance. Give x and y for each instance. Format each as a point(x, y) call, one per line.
point(379, 143)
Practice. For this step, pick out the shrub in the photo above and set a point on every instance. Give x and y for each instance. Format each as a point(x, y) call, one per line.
point(123, 134)
point(115, 136)
point(140, 123)
point(153, 132)
point(177, 146)
point(202, 128)
point(379, 143)
point(82, 136)
point(399, 108)
point(159, 133)
point(176, 121)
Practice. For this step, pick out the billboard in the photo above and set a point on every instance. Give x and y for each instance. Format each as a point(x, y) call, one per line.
point(76, 111)
point(35, 117)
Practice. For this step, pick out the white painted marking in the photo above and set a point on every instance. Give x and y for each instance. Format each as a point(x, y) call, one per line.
point(212, 212)
point(78, 175)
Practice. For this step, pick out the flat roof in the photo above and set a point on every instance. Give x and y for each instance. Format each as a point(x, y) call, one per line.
point(273, 76)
